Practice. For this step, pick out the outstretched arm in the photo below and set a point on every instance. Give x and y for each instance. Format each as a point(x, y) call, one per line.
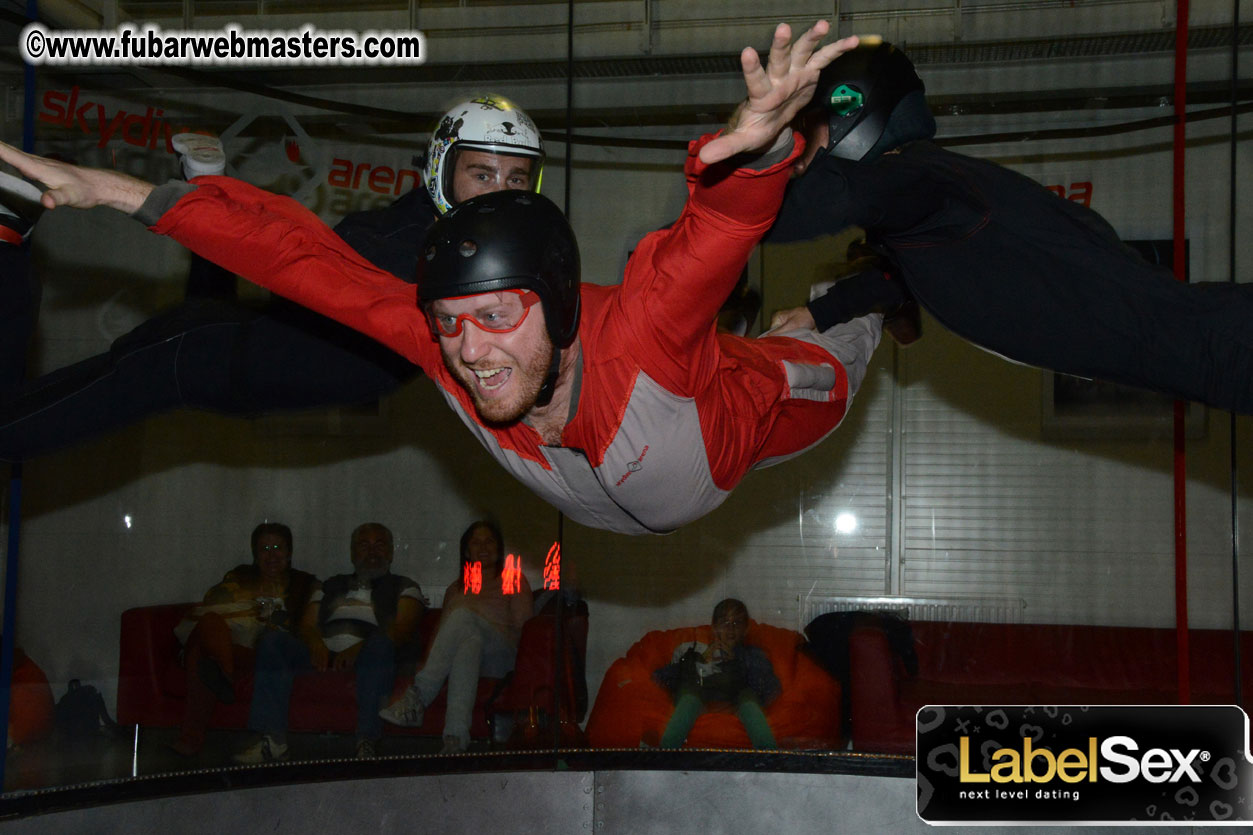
point(269, 240)
point(678, 278)
point(79, 188)
point(777, 92)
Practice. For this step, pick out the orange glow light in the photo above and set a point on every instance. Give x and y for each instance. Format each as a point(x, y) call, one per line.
point(471, 577)
point(552, 568)
point(511, 578)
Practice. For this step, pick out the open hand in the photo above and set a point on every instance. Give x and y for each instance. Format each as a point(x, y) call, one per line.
point(77, 187)
point(777, 92)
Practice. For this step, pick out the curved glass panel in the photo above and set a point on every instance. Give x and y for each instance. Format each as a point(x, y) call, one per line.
point(975, 531)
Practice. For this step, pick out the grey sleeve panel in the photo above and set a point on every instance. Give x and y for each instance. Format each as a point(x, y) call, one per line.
point(778, 152)
point(160, 200)
point(852, 343)
point(810, 382)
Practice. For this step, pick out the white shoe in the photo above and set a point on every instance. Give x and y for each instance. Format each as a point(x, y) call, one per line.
point(265, 750)
point(407, 711)
point(202, 155)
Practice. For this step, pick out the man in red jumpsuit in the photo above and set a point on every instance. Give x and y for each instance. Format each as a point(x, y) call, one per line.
point(620, 405)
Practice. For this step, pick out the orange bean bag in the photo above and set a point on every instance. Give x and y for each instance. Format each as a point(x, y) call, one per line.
point(632, 708)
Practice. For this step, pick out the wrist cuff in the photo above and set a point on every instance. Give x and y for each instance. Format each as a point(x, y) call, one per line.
point(160, 200)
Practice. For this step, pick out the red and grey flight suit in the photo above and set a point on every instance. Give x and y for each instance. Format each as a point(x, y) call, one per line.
point(668, 415)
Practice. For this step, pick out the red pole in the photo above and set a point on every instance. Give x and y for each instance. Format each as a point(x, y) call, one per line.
point(1181, 267)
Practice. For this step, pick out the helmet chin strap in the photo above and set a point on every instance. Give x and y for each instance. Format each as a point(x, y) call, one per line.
point(545, 395)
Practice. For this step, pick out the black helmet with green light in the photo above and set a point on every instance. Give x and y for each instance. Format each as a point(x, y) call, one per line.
point(872, 100)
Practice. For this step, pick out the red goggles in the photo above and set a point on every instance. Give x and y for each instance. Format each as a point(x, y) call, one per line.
point(502, 315)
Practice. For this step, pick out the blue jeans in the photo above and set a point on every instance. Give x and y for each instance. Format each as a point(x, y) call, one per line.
point(281, 656)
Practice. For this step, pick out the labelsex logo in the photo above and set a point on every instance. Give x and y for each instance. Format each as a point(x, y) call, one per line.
point(1039, 765)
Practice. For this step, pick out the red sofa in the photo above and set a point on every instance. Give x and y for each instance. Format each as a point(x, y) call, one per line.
point(1038, 664)
point(30, 701)
point(632, 708)
point(152, 684)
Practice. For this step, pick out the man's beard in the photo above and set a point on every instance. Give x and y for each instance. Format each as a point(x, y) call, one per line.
point(527, 378)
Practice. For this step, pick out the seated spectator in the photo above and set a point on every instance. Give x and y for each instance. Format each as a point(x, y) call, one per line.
point(479, 628)
point(359, 622)
point(220, 635)
point(725, 672)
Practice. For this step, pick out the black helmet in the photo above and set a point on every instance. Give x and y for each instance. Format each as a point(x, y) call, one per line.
point(506, 240)
point(858, 93)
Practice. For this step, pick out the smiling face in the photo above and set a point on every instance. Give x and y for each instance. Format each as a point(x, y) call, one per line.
point(482, 547)
point(503, 372)
point(482, 172)
point(730, 623)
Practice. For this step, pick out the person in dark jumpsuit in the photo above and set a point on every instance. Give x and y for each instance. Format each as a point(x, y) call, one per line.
point(213, 353)
point(992, 255)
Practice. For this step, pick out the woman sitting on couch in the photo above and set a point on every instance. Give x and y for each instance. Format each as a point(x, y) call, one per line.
point(479, 629)
point(220, 634)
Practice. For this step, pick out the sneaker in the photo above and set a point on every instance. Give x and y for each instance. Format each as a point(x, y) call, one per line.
point(202, 155)
point(367, 749)
point(406, 711)
point(267, 749)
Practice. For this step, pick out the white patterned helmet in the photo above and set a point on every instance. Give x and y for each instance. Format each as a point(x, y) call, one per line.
point(489, 123)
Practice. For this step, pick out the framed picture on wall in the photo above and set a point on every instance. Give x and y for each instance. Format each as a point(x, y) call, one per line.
point(1076, 408)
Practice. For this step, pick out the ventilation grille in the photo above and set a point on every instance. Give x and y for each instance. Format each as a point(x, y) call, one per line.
point(964, 609)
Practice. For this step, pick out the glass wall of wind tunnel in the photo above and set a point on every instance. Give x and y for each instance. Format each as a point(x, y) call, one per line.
point(964, 506)
point(1029, 536)
point(126, 531)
